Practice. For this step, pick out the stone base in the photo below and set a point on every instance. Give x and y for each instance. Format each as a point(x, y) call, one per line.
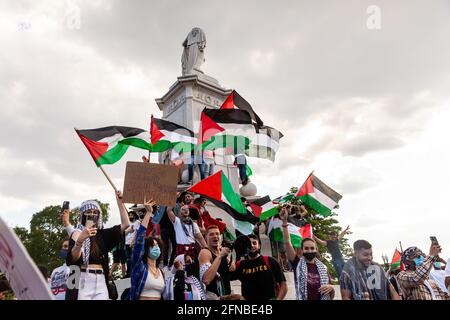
point(249, 190)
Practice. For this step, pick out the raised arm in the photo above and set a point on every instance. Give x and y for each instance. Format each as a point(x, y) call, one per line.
point(418, 276)
point(149, 207)
point(171, 214)
point(201, 239)
point(344, 232)
point(323, 243)
point(124, 220)
point(204, 259)
point(290, 252)
point(66, 222)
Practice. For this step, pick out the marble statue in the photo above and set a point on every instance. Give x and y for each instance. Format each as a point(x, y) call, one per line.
point(194, 51)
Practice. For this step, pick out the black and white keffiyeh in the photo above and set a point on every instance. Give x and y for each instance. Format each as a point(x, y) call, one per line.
point(301, 281)
point(86, 247)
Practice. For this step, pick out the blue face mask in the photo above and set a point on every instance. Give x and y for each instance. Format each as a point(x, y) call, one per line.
point(63, 254)
point(437, 265)
point(154, 252)
point(419, 260)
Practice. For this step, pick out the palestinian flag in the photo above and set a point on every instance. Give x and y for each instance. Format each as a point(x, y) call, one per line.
point(248, 170)
point(218, 190)
point(263, 208)
point(108, 145)
point(208, 220)
point(265, 143)
point(397, 260)
point(296, 234)
point(235, 101)
point(283, 199)
point(227, 235)
point(243, 227)
point(223, 128)
point(167, 135)
point(318, 196)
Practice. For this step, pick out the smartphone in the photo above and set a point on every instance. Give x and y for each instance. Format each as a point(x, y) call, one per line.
point(90, 224)
point(65, 206)
point(434, 240)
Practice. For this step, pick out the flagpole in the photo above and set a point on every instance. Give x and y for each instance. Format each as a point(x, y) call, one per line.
point(109, 179)
point(401, 248)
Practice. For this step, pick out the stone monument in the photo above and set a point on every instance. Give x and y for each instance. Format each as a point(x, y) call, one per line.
point(191, 93)
point(184, 102)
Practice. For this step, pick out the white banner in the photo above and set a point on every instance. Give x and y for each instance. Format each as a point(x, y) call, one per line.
point(24, 277)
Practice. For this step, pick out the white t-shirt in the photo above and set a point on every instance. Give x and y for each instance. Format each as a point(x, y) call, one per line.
point(135, 226)
point(438, 276)
point(180, 235)
point(58, 280)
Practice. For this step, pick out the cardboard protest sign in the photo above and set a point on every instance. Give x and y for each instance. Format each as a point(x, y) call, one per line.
point(24, 277)
point(150, 181)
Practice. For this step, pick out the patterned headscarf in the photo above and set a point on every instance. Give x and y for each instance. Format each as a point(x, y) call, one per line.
point(85, 206)
point(408, 256)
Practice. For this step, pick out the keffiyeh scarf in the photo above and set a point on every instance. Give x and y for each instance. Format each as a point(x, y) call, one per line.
point(301, 283)
point(86, 247)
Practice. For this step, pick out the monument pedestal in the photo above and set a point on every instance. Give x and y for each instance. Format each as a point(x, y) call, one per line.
point(183, 104)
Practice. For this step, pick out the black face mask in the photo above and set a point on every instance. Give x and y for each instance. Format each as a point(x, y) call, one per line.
point(309, 255)
point(253, 254)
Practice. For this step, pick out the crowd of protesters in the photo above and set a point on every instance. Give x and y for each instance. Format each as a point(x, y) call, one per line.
point(174, 254)
point(178, 254)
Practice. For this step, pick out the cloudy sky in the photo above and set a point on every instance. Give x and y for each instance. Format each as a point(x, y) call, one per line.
point(366, 108)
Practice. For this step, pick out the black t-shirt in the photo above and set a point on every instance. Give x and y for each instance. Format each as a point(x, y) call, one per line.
point(333, 248)
point(257, 279)
point(105, 239)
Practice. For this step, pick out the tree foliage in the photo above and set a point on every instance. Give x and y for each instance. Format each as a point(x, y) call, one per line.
point(44, 238)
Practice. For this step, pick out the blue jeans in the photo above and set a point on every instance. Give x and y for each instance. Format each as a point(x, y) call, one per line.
point(338, 266)
point(242, 166)
point(201, 167)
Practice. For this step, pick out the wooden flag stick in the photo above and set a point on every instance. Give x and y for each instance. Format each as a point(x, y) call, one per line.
point(109, 179)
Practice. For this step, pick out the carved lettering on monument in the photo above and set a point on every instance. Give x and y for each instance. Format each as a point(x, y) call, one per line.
point(208, 99)
point(175, 104)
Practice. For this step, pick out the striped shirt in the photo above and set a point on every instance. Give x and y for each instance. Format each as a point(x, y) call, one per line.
point(417, 285)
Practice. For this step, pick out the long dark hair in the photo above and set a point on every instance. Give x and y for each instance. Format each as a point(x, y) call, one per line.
point(147, 245)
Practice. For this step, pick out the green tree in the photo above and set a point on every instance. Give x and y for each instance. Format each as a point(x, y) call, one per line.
point(322, 227)
point(43, 240)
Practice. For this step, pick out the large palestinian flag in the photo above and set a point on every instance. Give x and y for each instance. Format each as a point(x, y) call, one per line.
point(235, 101)
point(218, 190)
point(318, 196)
point(263, 208)
point(167, 135)
point(107, 145)
point(225, 128)
point(265, 143)
point(296, 234)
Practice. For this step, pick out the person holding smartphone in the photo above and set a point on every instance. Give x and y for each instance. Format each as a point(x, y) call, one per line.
point(89, 246)
point(415, 279)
